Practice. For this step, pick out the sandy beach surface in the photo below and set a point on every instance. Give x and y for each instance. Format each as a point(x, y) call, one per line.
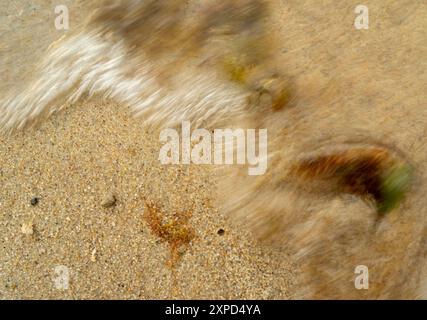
point(84, 192)
point(73, 164)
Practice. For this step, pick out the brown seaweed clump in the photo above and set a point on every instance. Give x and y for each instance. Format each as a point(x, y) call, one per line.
point(176, 231)
point(372, 173)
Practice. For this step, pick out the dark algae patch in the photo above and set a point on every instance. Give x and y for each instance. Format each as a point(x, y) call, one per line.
point(371, 173)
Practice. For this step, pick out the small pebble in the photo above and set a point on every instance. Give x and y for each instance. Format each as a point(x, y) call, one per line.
point(221, 232)
point(35, 201)
point(27, 228)
point(109, 201)
point(93, 255)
